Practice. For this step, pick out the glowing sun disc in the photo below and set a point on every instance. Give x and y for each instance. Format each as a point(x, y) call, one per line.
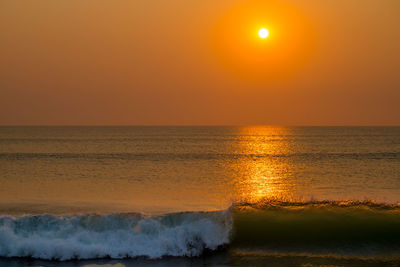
point(263, 33)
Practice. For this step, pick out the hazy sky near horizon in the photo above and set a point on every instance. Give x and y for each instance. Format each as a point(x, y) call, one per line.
point(179, 62)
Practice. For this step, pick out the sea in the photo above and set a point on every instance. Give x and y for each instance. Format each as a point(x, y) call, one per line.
point(199, 196)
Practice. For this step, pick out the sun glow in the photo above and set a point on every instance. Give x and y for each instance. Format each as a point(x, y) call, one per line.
point(263, 33)
point(263, 40)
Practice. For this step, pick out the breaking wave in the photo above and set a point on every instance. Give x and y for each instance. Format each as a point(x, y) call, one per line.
point(338, 229)
point(114, 235)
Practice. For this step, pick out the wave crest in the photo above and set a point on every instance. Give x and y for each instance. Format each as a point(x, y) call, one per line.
point(268, 203)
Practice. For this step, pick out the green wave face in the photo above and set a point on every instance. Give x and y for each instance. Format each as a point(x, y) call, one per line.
point(328, 228)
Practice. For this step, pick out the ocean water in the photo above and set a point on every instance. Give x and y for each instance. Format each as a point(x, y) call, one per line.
point(217, 196)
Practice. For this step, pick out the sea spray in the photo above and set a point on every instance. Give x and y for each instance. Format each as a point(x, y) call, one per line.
point(114, 235)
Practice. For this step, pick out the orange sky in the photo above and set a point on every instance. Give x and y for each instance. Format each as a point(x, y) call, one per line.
point(179, 62)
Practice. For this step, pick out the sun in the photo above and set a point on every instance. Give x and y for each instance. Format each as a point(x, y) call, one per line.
point(263, 33)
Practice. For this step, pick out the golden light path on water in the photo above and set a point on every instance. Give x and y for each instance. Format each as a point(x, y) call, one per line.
point(205, 172)
point(263, 173)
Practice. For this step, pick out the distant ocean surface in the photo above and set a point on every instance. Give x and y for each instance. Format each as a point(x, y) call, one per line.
point(217, 196)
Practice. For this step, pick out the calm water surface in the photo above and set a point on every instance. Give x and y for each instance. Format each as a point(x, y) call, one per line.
point(166, 169)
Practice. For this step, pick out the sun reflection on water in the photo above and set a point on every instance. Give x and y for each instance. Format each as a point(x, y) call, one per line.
point(263, 172)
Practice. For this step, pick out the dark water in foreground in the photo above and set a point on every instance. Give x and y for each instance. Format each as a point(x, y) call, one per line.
point(220, 196)
point(216, 259)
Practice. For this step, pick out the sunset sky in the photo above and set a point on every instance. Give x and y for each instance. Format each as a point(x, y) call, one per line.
point(179, 62)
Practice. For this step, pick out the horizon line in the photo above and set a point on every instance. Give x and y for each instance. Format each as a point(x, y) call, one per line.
point(196, 125)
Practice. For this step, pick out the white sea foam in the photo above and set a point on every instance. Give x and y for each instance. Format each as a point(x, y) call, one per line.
point(114, 235)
